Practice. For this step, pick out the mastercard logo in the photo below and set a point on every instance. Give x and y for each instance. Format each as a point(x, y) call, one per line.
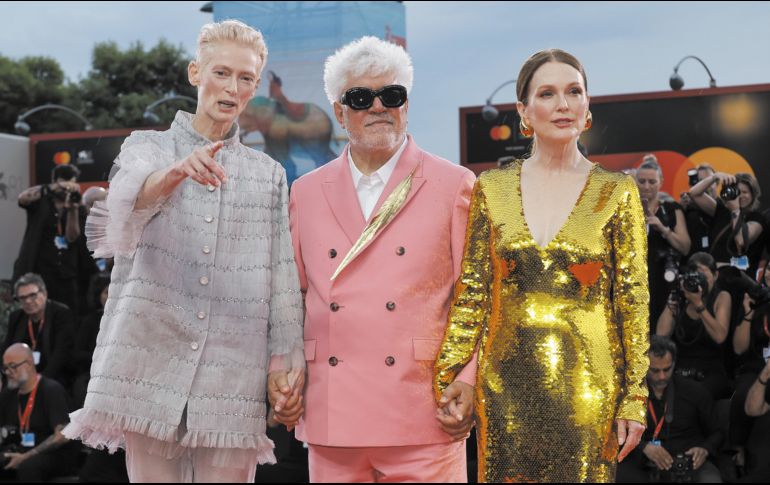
point(62, 158)
point(500, 133)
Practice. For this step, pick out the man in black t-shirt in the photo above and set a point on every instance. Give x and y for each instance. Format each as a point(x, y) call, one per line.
point(679, 421)
point(33, 409)
point(46, 326)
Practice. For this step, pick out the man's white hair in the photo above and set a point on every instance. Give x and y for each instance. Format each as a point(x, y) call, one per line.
point(367, 56)
point(232, 31)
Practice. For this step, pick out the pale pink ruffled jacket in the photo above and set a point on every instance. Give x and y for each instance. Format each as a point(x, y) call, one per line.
point(204, 291)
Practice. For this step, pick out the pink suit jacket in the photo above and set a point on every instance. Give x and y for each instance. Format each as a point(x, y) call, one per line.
point(372, 335)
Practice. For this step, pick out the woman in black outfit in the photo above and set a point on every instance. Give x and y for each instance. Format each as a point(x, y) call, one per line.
point(737, 223)
point(699, 323)
point(667, 238)
point(751, 338)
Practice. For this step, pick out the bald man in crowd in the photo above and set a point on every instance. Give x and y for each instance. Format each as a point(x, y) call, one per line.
point(36, 407)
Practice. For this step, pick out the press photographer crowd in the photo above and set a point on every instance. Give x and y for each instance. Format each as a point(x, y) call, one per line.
point(709, 305)
point(709, 281)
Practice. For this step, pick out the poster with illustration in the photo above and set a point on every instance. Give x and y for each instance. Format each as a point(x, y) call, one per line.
point(291, 119)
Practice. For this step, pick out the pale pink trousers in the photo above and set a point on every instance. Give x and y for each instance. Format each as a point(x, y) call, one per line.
point(194, 465)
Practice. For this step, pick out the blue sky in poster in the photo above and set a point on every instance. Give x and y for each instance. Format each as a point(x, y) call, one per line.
point(300, 36)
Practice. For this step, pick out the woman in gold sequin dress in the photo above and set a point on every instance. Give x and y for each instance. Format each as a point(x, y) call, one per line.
point(553, 293)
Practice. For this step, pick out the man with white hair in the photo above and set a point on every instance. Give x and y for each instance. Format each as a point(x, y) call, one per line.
point(378, 238)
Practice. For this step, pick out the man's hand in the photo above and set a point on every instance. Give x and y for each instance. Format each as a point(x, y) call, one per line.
point(698, 455)
point(286, 400)
point(16, 459)
point(659, 456)
point(455, 413)
point(201, 166)
point(629, 435)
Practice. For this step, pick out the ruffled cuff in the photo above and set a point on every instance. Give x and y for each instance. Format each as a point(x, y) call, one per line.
point(114, 227)
point(292, 362)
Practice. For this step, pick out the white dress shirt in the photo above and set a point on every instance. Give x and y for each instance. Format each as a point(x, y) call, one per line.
point(369, 187)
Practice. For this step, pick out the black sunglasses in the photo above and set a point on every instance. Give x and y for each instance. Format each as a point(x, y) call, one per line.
point(393, 96)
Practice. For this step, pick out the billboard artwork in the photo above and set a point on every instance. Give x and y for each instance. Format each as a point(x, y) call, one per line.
point(291, 119)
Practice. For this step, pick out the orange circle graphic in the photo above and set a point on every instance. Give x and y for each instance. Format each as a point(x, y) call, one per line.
point(62, 158)
point(722, 159)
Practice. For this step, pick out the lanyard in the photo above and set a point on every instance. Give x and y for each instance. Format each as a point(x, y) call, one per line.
point(24, 419)
point(32, 336)
point(658, 424)
point(59, 215)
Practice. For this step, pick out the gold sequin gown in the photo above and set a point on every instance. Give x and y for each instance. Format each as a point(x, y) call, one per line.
point(562, 331)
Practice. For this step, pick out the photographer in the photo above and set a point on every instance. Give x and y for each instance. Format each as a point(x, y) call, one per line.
point(33, 411)
point(751, 336)
point(52, 246)
point(737, 224)
point(698, 222)
point(758, 401)
point(750, 340)
point(697, 317)
point(757, 404)
point(680, 434)
point(667, 237)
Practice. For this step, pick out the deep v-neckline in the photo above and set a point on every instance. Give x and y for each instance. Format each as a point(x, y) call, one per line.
point(569, 216)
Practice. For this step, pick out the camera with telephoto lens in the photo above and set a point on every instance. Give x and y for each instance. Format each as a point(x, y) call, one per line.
point(729, 192)
point(670, 257)
point(735, 278)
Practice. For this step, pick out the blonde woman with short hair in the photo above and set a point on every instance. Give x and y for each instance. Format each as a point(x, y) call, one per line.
point(204, 315)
